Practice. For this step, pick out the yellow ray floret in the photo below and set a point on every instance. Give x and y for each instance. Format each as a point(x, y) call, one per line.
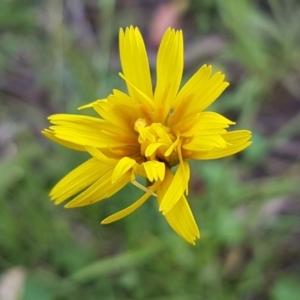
point(180, 216)
point(176, 188)
point(133, 53)
point(130, 209)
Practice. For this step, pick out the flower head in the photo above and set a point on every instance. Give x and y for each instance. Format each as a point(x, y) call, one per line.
point(147, 133)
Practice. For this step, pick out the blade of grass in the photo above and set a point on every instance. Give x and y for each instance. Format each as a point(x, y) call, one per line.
point(113, 264)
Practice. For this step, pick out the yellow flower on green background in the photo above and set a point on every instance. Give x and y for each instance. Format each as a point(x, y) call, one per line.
point(146, 133)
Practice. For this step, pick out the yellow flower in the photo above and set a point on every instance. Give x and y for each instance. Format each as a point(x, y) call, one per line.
point(147, 133)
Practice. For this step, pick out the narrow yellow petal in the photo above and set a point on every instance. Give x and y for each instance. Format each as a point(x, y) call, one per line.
point(205, 142)
point(204, 123)
point(122, 167)
point(161, 132)
point(77, 180)
point(184, 126)
point(85, 130)
point(180, 217)
point(121, 96)
point(182, 221)
point(145, 134)
point(176, 188)
point(172, 147)
point(169, 72)
point(134, 62)
point(130, 209)
point(186, 169)
point(142, 187)
point(236, 141)
point(152, 148)
point(141, 97)
point(51, 135)
point(196, 82)
point(101, 189)
point(198, 95)
point(118, 112)
point(100, 156)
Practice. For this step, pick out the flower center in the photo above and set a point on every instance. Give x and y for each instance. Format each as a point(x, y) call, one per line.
point(158, 142)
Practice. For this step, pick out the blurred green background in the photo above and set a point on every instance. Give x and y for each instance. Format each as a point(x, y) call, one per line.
point(57, 55)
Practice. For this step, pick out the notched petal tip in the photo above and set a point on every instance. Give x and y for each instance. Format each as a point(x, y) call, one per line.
point(193, 240)
point(182, 221)
point(45, 132)
point(129, 30)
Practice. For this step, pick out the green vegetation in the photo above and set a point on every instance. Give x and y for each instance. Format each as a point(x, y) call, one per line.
point(56, 56)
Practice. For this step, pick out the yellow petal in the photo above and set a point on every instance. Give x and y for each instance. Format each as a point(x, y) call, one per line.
point(85, 130)
point(169, 72)
point(128, 210)
point(100, 156)
point(140, 96)
point(77, 180)
point(134, 62)
point(197, 82)
point(122, 167)
point(184, 126)
point(176, 188)
point(101, 189)
point(51, 135)
point(119, 112)
point(155, 170)
point(161, 132)
point(182, 221)
point(236, 141)
point(172, 147)
point(204, 123)
point(152, 148)
point(198, 93)
point(205, 142)
point(111, 112)
point(180, 216)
